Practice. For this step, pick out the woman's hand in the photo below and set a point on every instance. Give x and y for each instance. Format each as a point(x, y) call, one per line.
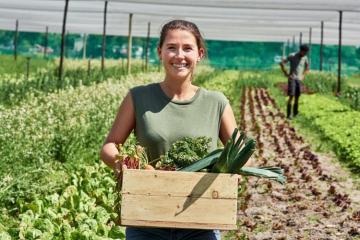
point(239, 178)
point(149, 167)
point(119, 169)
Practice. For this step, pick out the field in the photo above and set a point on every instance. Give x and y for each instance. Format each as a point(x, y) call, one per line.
point(54, 186)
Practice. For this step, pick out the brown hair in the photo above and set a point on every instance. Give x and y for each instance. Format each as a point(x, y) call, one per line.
point(183, 25)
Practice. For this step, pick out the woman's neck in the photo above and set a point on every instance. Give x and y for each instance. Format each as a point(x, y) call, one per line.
point(178, 90)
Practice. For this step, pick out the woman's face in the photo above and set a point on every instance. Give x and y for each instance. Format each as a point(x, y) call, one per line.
point(180, 54)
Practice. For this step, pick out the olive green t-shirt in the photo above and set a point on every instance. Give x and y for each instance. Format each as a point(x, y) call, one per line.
point(161, 121)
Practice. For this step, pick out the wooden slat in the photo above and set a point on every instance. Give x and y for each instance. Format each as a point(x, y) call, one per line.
point(217, 226)
point(184, 212)
point(179, 199)
point(158, 183)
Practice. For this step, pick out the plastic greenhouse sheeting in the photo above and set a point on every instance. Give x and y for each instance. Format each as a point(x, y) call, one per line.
point(240, 20)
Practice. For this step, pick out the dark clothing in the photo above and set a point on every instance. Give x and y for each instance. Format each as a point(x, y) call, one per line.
point(294, 87)
point(295, 109)
point(170, 234)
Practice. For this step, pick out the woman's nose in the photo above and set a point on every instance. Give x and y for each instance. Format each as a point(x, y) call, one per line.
point(179, 53)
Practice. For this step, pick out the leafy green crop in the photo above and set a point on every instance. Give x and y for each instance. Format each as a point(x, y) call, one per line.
point(336, 122)
point(184, 152)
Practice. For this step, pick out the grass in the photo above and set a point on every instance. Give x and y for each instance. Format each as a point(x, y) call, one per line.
point(9, 66)
point(354, 80)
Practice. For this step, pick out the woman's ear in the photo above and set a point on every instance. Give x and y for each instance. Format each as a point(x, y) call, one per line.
point(159, 52)
point(201, 54)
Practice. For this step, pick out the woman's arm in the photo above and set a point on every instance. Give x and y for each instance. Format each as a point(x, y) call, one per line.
point(227, 126)
point(123, 125)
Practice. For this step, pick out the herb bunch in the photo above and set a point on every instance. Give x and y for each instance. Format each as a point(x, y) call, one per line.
point(184, 152)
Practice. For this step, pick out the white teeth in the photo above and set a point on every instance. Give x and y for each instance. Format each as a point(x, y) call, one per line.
point(179, 65)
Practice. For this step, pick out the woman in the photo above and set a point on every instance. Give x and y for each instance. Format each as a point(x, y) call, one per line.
point(164, 112)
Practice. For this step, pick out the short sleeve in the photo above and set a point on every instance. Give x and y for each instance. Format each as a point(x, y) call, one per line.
point(135, 94)
point(223, 102)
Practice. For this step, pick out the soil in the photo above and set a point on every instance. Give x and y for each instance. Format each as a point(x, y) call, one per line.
point(319, 201)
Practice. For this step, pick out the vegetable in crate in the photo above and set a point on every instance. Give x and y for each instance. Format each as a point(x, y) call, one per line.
point(232, 159)
point(133, 156)
point(184, 152)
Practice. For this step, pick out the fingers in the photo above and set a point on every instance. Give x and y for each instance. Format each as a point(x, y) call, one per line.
point(117, 166)
point(239, 178)
point(120, 167)
point(149, 167)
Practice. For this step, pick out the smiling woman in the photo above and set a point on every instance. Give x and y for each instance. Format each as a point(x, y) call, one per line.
point(181, 47)
point(162, 113)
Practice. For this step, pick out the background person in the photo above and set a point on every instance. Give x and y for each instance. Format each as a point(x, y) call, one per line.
point(299, 66)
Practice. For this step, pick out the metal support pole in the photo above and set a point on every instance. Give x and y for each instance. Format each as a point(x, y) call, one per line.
point(104, 39)
point(339, 53)
point(300, 39)
point(84, 46)
point(147, 48)
point(321, 46)
point(309, 54)
point(143, 57)
point(46, 41)
point(16, 38)
point(129, 45)
point(63, 43)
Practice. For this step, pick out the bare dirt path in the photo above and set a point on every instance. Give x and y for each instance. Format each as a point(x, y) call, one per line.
point(319, 200)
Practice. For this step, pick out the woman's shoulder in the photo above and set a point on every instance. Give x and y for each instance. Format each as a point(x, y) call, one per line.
point(142, 88)
point(215, 95)
point(142, 92)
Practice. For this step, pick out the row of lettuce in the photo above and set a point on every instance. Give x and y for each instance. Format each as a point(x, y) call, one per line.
point(337, 123)
point(337, 119)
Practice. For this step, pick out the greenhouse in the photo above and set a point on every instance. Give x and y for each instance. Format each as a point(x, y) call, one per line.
point(75, 76)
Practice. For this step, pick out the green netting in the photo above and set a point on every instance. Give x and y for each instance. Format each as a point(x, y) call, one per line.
point(221, 54)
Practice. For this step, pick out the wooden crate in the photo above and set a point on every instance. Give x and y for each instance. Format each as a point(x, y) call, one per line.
point(179, 199)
